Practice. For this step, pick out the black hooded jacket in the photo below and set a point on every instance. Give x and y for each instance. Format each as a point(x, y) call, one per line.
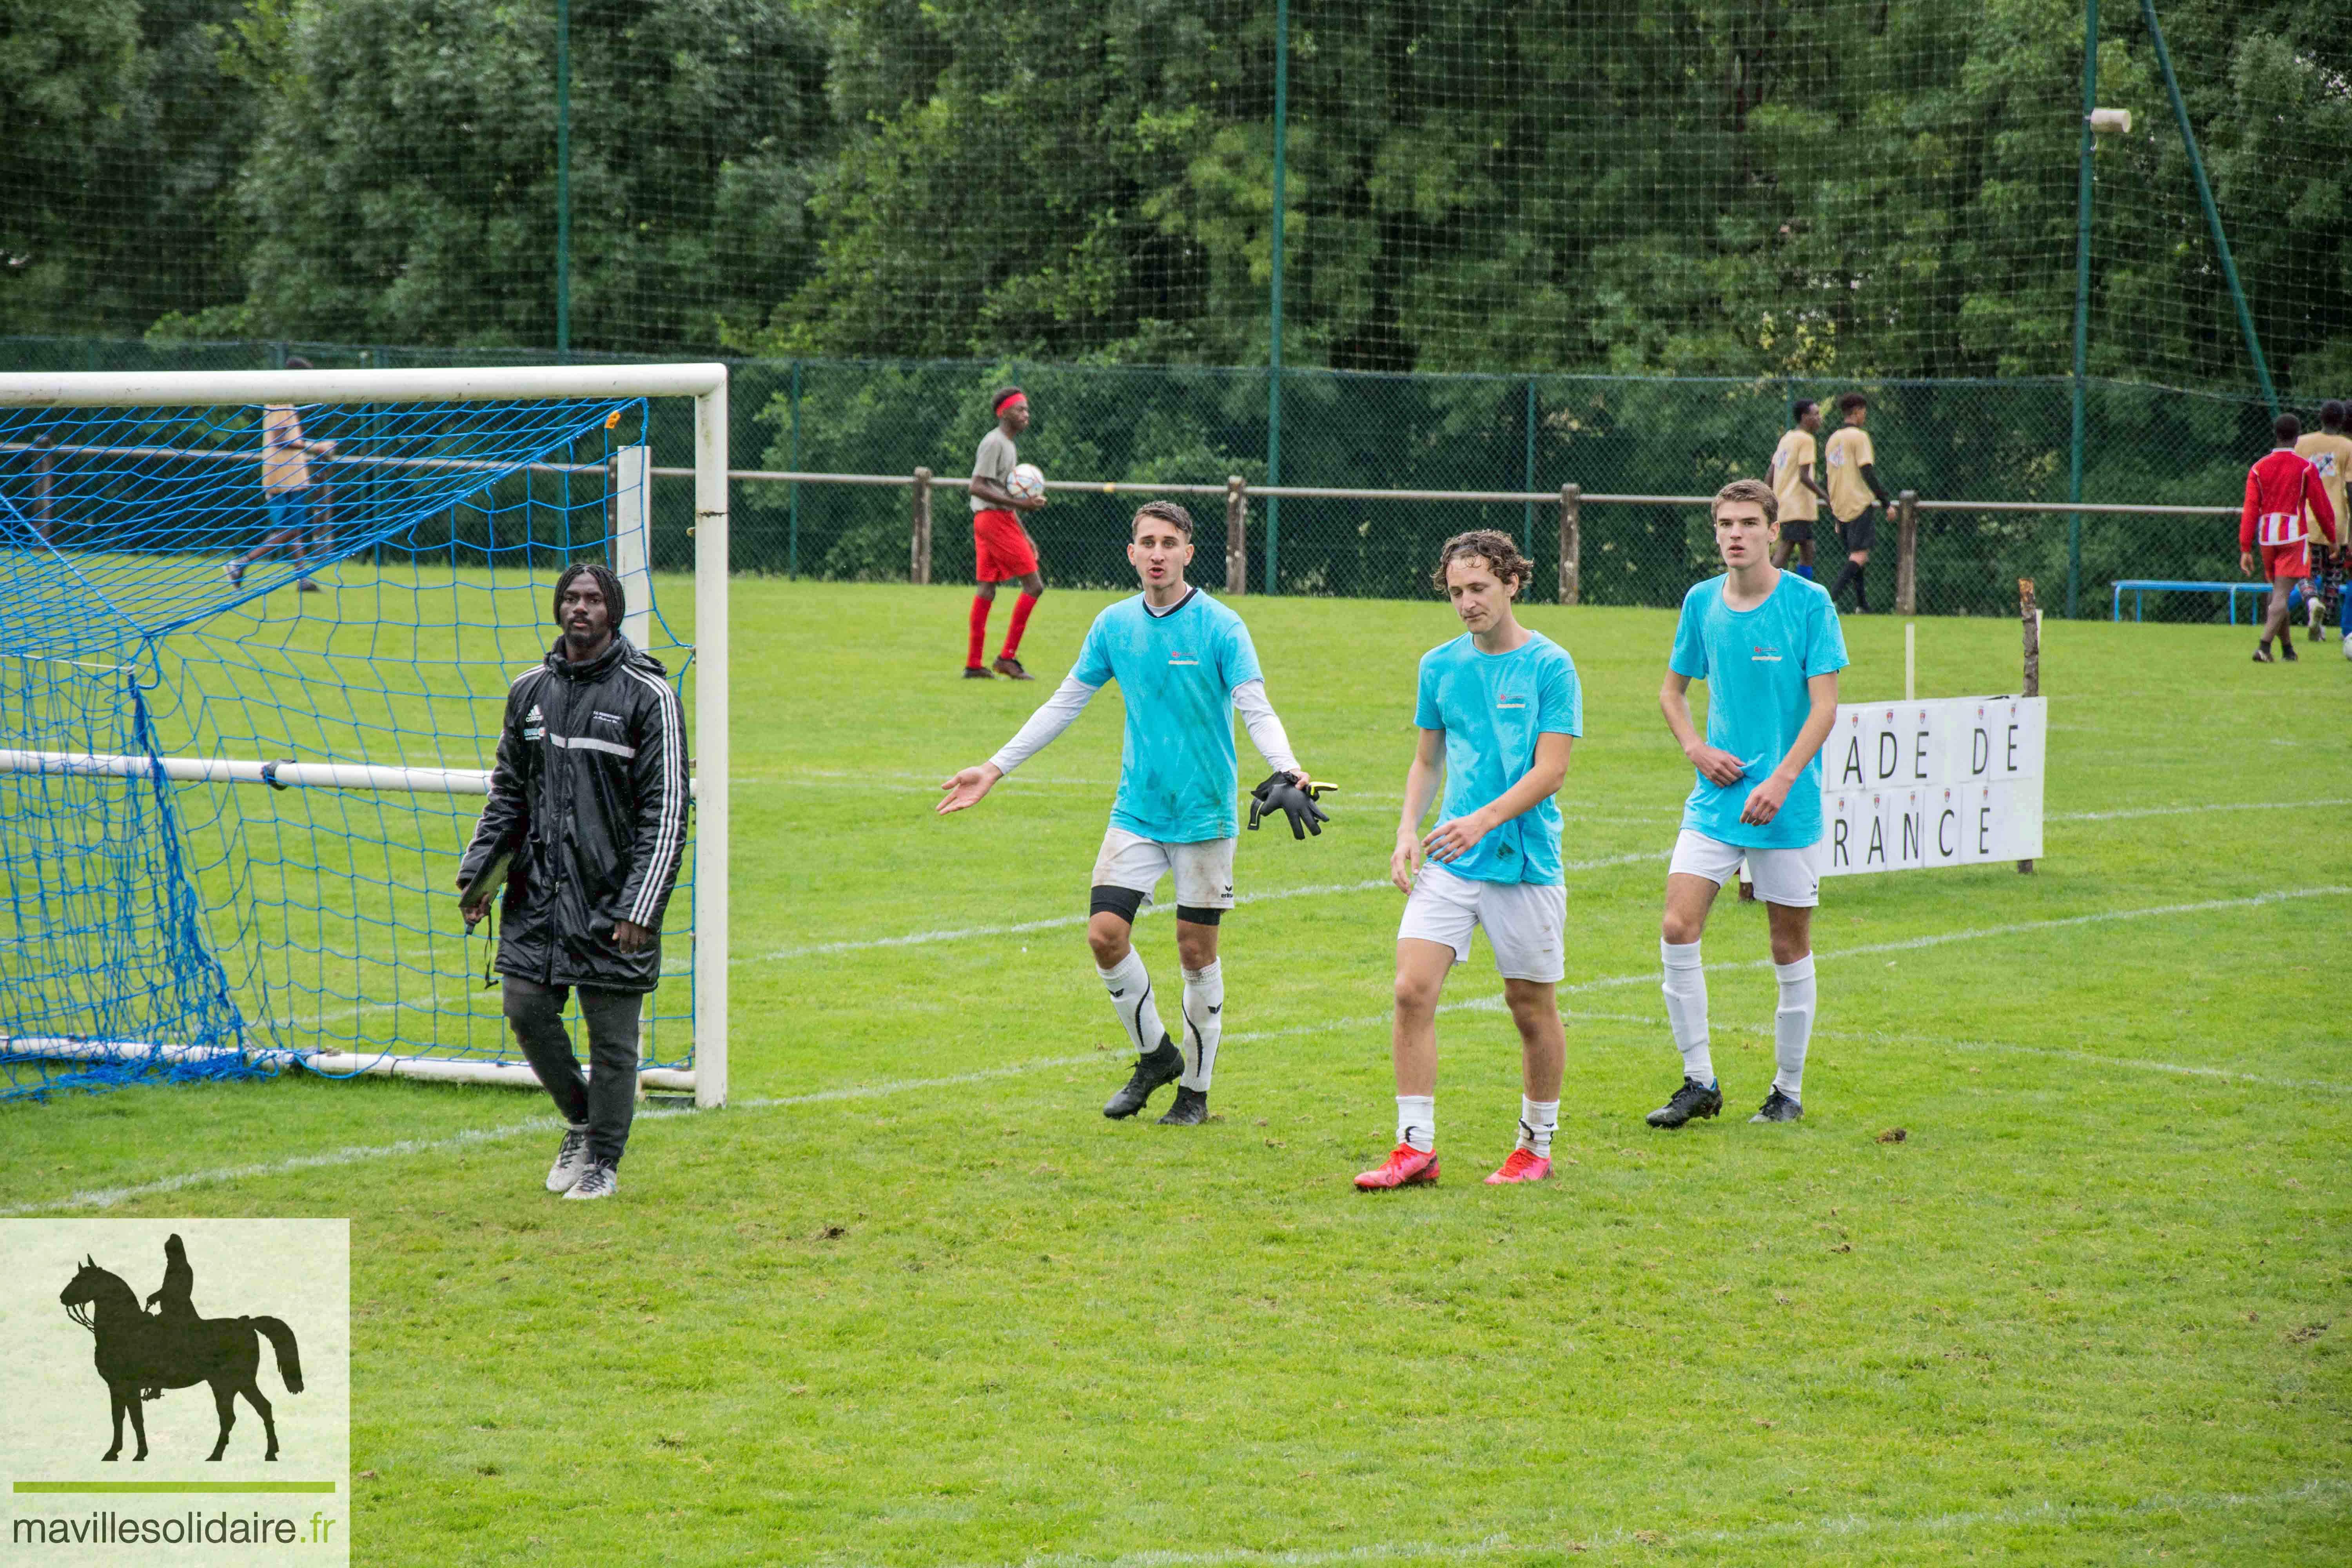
point(589, 793)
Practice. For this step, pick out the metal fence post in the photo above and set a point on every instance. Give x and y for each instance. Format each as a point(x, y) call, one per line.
point(918, 566)
point(1571, 542)
point(1906, 553)
point(1236, 536)
point(793, 539)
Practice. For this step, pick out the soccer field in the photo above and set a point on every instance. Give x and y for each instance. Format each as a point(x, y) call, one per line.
point(910, 1299)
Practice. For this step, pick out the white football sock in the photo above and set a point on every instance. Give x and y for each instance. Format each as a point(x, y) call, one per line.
point(1417, 1121)
point(1204, 1020)
point(1685, 990)
point(1131, 997)
point(1792, 1025)
point(1538, 1120)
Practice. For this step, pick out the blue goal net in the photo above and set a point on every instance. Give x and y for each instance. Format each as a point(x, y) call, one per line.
point(253, 665)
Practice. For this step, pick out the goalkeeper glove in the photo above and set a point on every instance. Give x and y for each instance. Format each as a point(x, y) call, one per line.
point(1281, 793)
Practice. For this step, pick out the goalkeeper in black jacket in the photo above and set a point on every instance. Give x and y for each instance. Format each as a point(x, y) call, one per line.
point(586, 825)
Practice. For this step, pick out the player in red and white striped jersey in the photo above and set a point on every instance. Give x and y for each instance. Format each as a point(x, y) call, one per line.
point(2280, 488)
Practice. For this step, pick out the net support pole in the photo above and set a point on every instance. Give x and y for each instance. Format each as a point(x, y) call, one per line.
point(792, 536)
point(1528, 470)
point(1274, 296)
point(1236, 536)
point(2212, 213)
point(632, 523)
point(562, 179)
point(2082, 302)
point(710, 721)
point(1571, 544)
point(2029, 614)
point(1906, 553)
point(918, 533)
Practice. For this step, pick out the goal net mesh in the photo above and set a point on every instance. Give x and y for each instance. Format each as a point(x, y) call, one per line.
point(165, 908)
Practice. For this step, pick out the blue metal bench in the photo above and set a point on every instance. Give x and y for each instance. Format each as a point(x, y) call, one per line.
point(2141, 585)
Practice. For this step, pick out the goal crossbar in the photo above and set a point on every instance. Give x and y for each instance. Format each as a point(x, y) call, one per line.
point(707, 384)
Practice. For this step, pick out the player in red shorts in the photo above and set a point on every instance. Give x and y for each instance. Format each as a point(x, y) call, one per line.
point(1002, 550)
point(2279, 488)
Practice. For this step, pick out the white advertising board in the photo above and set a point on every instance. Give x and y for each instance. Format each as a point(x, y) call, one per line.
point(1909, 785)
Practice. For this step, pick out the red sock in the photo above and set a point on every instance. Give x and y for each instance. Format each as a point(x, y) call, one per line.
point(1020, 608)
point(980, 608)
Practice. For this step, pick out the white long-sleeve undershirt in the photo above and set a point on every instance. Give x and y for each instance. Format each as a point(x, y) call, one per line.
point(1265, 732)
point(1060, 710)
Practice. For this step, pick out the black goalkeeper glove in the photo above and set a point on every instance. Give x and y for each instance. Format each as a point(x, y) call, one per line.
point(1281, 794)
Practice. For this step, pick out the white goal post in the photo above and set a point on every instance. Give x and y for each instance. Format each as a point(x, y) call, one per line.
point(707, 384)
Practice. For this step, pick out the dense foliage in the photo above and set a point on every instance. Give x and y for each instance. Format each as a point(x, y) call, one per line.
point(1792, 187)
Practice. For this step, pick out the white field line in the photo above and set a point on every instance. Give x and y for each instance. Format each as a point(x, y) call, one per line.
point(1947, 1043)
point(913, 939)
point(114, 1197)
point(2191, 810)
point(2317, 1493)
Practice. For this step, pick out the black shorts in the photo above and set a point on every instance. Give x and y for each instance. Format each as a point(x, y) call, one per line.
point(1861, 531)
point(1797, 530)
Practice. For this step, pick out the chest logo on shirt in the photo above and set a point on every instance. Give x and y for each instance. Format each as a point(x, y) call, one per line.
point(614, 720)
point(1763, 653)
point(1187, 661)
point(1507, 703)
point(2324, 463)
point(534, 723)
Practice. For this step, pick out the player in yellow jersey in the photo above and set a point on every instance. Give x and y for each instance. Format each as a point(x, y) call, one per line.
point(1855, 495)
point(1798, 493)
point(2329, 450)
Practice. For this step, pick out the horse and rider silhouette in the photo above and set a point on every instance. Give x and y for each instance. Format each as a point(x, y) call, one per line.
point(140, 1353)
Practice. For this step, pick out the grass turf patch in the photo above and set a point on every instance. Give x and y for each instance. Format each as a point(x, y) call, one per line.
point(912, 1300)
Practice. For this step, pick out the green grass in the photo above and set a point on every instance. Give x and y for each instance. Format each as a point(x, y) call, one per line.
point(911, 1301)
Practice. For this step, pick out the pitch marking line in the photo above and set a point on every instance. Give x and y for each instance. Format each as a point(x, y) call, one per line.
point(2320, 1494)
point(112, 1197)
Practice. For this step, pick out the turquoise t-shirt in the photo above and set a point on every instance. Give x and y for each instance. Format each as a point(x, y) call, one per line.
point(1492, 706)
point(1756, 663)
point(1177, 670)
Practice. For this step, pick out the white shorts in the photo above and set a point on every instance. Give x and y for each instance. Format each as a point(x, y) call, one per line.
point(1524, 920)
point(1785, 877)
point(1204, 871)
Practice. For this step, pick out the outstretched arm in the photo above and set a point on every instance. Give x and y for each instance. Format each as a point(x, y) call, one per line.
point(1056, 714)
point(1765, 800)
point(1265, 732)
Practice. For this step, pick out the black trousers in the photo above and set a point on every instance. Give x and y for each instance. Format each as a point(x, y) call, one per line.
point(607, 1098)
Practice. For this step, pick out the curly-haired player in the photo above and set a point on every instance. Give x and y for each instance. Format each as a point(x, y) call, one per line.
point(1498, 709)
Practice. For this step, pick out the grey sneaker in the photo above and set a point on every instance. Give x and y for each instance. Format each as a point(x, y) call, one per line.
point(600, 1180)
point(1778, 1106)
point(1694, 1100)
point(570, 1160)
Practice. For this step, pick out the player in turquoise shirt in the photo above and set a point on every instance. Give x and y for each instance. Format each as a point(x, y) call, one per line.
point(1184, 665)
point(1177, 669)
point(1767, 644)
point(1499, 710)
point(1491, 708)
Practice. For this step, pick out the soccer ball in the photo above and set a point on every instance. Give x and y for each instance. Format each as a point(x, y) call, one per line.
point(1025, 482)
